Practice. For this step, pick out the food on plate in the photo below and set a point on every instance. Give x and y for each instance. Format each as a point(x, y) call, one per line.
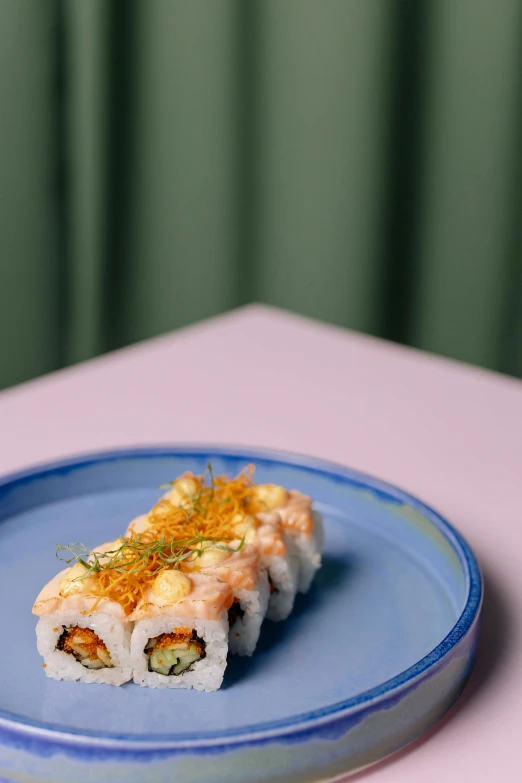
point(83, 634)
point(302, 525)
point(190, 581)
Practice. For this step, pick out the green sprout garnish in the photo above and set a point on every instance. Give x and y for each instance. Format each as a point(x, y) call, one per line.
point(133, 555)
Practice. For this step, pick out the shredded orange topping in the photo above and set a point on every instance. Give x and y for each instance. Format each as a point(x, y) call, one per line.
point(126, 577)
point(212, 513)
point(126, 581)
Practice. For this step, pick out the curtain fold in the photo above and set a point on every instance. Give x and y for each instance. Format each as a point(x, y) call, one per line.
point(321, 127)
point(180, 244)
point(359, 161)
point(87, 60)
point(30, 192)
point(472, 142)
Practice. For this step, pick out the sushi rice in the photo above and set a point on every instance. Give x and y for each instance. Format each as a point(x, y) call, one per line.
point(283, 575)
point(308, 549)
point(244, 633)
point(205, 674)
point(60, 665)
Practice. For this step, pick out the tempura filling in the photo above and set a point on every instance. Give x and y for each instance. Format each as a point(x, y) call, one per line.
point(235, 613)
point(174, 653)
point(85, 646)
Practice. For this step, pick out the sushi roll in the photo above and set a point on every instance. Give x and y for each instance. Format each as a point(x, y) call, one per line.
point(180, 636)
point(241, 570)
point(190, 506)
point(302, 526)
point(192, 580)
point(246, 616)
point(281, 564)
point(278, 556)
point(80, 636)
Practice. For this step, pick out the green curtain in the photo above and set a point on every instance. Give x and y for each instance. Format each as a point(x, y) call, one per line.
point(161, 161)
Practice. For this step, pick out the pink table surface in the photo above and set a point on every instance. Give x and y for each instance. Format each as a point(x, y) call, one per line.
point(450, 433)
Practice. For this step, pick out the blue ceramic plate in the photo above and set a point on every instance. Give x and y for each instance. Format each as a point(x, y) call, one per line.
point(378, 650)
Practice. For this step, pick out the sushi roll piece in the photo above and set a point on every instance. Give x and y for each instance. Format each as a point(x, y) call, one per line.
point(246, 571)
point(180, 636)
point(241, 570)
point(264, 531)
point(246, 616)
point(185, 502)
point(302, 526)
point(281, 564)
point(245, 510)
point(80, 636)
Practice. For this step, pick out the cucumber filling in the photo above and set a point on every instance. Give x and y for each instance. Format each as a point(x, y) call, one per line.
point(174, 653)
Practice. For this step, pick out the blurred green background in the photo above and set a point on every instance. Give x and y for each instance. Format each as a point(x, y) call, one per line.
point(161, 161)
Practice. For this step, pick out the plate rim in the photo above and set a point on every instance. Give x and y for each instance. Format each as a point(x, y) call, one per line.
point(20, 727)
